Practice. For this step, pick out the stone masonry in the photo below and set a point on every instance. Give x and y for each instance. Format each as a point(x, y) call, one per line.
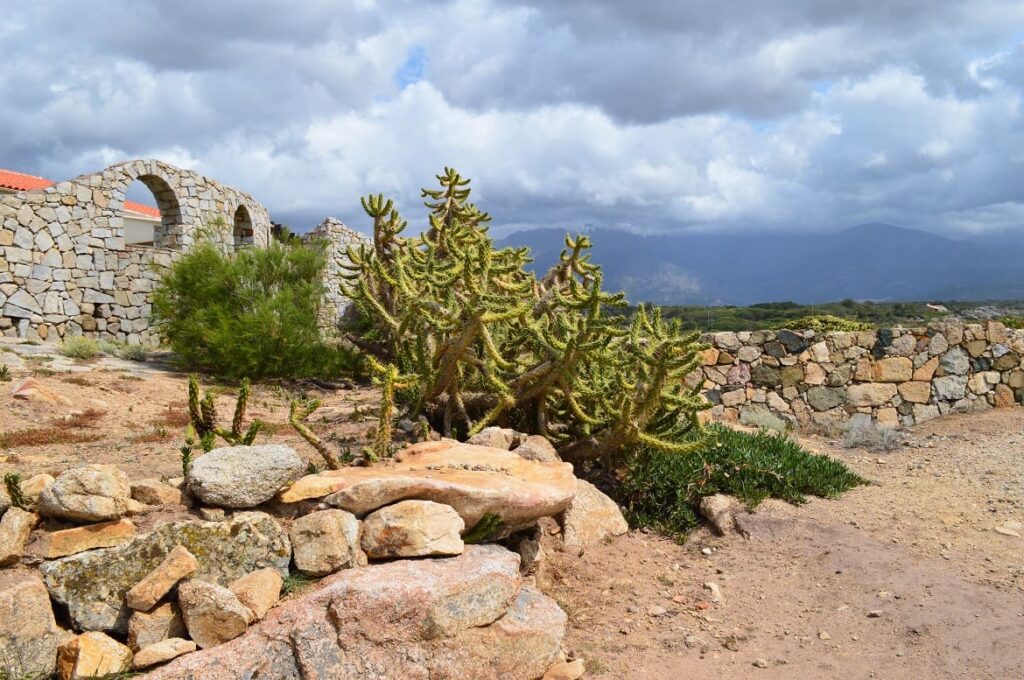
point(66, 270)
point(338, 238)
point(898, 376)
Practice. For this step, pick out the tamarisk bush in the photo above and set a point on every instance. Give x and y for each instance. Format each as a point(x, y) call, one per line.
point(479, 340)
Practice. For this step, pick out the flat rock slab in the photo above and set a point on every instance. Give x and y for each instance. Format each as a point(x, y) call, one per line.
point(474, 480)
point(459, 617)
point(93, 584)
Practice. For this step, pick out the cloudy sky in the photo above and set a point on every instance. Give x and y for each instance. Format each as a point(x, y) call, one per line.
point(651, 115)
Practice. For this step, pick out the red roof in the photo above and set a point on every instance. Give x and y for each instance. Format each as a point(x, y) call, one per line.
point(19, 181)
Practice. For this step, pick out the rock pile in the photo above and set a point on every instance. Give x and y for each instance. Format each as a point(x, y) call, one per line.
point(200, 599)
point(889, 377)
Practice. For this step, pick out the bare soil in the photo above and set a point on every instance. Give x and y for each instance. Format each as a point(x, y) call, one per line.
point(906, 578)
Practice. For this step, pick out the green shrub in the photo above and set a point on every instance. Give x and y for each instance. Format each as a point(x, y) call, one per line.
point(823, 323)
point(78, 347)
point(123, 350)
point(468, 337)
point(253, 313)
point(662, 490)
point(1012, 321)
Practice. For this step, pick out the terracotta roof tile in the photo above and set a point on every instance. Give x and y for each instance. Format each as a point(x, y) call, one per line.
point(19, 181)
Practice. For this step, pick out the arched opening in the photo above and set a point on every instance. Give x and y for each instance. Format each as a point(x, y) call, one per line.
point(243, 228)
point(151, 214)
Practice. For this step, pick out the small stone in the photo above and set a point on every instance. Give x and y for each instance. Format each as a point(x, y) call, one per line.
point(258, 591)
point(656, 610)
point(566, 670)
point(717, 509)
point(823, 635)
point(149, 628)
point(91, 493)
point(706, 551)
point(91, 655)
point(716, 592)
point(324, 542)
point(162, 651)
point(875, 613)
point(71, 541)
point(760, 663)
point(15, 528)
point(413, 529)
point(212, 613)
point(155, 492)
point(178, 564)
point(536, 447)
point(494, 437)
point(212, 514)
point(591, 517)
point(1006, 531)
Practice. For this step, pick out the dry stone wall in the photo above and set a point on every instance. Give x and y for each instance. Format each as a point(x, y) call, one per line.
point(65, 268)
point(898, 376)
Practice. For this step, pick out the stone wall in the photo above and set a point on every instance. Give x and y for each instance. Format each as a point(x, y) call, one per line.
point(65, 268)
point(891, 377)
point(339, 237)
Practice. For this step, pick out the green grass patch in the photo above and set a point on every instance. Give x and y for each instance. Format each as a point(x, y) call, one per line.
point(78, 347)
point(662, 490)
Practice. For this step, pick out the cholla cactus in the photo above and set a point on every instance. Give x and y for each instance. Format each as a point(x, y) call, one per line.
point(470, 338)
point(12, 480)
point(203, 416)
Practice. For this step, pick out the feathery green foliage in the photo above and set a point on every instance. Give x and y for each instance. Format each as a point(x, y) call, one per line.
point(823, 323)
point(252, 313)
point(79, 347)
point(484, 529)
point(12, 480)
point(479, 341)
point(203, 418)
point(662, 491)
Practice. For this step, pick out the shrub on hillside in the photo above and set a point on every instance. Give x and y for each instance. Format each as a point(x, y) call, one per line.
point(662, 491)
point(78, 347)
point(252, 313)
point(468, 337)
point(824, 323)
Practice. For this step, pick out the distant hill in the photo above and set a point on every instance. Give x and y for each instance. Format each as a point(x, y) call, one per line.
point(866, 262)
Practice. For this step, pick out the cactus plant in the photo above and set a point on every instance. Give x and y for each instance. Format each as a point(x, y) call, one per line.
point(471, 338)
point(12, 480)
point(203, 416)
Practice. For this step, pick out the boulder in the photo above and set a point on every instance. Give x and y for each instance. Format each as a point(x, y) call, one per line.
point(155, 492)
point(93, 584)
point(91, 493)
point(15, 528)
point(258, 591)
point(161, 652)
point(149, 628)
point(566, 670)
point(497, 437)
point(955, 362)
point(950, 387)
point(871, 394)
point(79, 539)
point(460, 617)
point(591, 517)
point(413, 529)
point(536, 447)
point(212, 613)
point(145, 594)
point(474, 480)
point(243, 476)
point(29, 635)
point(916, 391)
point(92, 655)
point(30, 389)
point(324, 542)
point(893, 369)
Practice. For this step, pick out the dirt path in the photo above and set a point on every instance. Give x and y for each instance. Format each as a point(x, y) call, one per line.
point(904, 579)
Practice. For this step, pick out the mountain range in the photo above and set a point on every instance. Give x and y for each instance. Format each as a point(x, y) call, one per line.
point(878, 262)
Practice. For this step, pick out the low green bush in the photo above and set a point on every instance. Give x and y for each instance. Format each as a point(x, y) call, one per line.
point(1012, 321)
point(662, 490)
point(253, 313)
point(123, 350)
point(78, 347)
point(824, 323)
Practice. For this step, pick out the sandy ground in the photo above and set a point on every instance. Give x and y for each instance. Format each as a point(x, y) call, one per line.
point(906, 578)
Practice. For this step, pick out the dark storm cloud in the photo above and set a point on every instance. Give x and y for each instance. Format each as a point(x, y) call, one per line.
point(648, 115)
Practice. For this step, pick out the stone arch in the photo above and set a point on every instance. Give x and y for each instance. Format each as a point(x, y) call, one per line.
point(164, 235)
point(243, 229)
point(164, 183)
